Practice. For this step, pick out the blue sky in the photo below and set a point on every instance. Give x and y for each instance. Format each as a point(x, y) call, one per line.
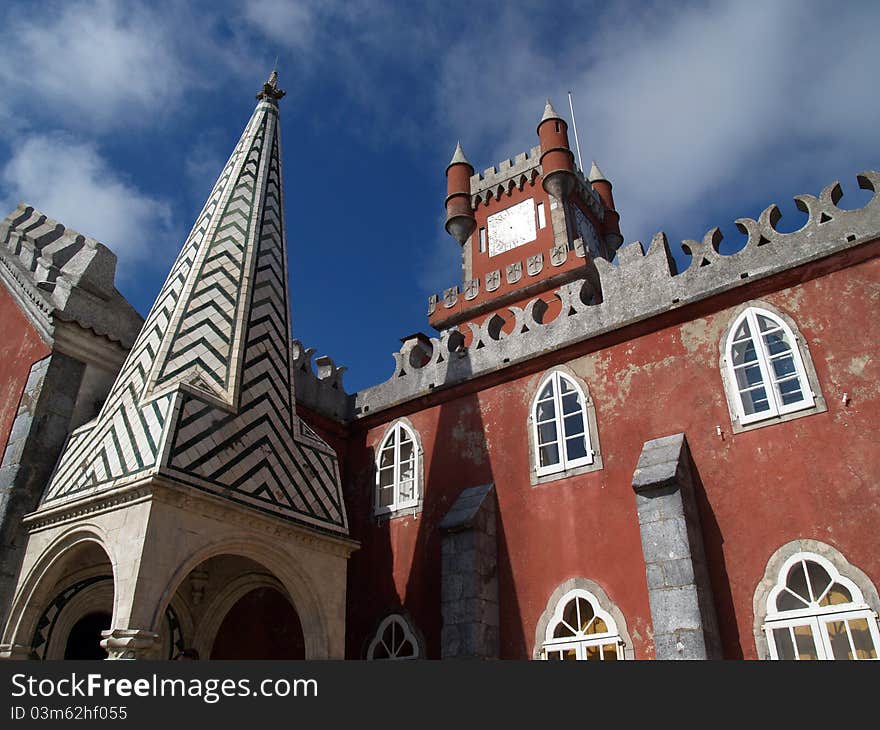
point(115, 118)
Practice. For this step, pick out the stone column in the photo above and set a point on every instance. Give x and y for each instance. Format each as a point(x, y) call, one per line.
point(469, 591)
point(680, 594)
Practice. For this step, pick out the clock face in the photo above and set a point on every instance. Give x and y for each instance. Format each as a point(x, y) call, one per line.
point(587, 232)
point(512, 227)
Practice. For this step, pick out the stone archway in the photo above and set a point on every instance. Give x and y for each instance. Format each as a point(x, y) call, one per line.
point(262, 624)
point(72, 578)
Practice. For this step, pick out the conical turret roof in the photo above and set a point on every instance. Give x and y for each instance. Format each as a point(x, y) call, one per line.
point(458, 157)
point(596, 174)
point(205, 397)
point(549, 113)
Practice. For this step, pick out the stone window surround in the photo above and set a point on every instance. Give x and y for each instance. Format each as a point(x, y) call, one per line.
point(385, 513)
point(404, 620)
point(605, 603)
point(771, 579)
point(731, 392)
point(589, 421)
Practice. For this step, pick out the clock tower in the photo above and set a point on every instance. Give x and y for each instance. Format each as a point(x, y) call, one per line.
point(525, 227)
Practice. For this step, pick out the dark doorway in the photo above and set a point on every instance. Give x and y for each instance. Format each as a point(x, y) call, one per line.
point(261, 625)
point(84, 641)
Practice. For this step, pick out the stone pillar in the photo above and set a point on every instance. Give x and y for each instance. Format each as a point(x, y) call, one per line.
point(469, 592)
point(38, 434)
point(680, 594)
point(130, 644)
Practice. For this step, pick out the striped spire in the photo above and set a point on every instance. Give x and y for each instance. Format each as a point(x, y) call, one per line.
point(205, 397)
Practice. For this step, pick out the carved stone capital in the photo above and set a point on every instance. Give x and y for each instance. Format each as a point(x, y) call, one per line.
point(130, 644)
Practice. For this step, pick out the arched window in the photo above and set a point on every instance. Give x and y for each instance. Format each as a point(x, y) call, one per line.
point(581, 630)
point(814, 612)
point(397, 470)
point(394, 640)
point(560, 425)
point(765, 368)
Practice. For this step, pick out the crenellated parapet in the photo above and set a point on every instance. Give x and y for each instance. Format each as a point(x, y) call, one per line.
point(319, 386)
point(497, 181)
point(59, 274)
point(642, 285)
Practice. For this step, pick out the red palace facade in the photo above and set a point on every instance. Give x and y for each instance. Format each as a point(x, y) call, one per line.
point(595, 455)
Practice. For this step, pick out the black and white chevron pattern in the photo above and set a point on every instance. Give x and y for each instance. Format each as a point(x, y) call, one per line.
point(221, 326)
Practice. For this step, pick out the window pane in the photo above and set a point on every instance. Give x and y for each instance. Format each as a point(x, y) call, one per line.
point(547, 433)
point(386, 497)
point(406, 450)
point(570, 617)
point(598, 627)
point(862, 639)
point(407, 491)
point(806, 646)
point(574, 425)
point(549, 454)
point(784, 647)
point(837, 595)
point(840, 648)
point(777, 343)
point(587, 613)
point(819, 578)
point(754, 401)
point(609, 652)
point(790, 391)
point(406, 649)
point(742, 331)
point(386, 458)
point(796, 581)
point(592, 652)
point(571, 404)
point(546, 411)
point(547, 392)
point(386, 476)
point(766, 324)
point(744, 352)
point(565, 386)
point(406, 469)
point(575, 448)
point(783, 367)
point(747, 376)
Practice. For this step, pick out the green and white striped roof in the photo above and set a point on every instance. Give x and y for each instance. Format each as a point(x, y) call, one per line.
point(205, 397)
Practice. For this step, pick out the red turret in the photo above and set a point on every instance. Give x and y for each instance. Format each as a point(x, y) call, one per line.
point(611, 222)
point(460, 221)
point(557, 160)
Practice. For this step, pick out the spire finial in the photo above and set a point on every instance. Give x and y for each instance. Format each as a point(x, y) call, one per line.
point(549, 112)
point(270, 91)
point(596, 174)
point(458, 156)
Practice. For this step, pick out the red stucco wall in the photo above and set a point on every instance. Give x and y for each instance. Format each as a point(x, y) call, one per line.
point(814, 477)
point(20, 347)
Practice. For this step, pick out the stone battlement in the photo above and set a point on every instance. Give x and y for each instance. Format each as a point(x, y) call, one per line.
point(59, 273)
point(643, 285)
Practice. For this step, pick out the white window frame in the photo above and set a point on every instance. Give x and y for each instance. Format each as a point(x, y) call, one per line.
point(580, 642)
point(816, 617)
point(768, 382)
point(408, 635)
point(564, 462)
point(397, 504)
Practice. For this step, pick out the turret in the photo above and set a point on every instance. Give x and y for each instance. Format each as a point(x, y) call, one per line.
point(557, 160)
point(460, 220)
point(611, 223)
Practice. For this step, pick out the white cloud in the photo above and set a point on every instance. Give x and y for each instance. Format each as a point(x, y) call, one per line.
point(91, 63)
point(682, 108)
point(69, 181)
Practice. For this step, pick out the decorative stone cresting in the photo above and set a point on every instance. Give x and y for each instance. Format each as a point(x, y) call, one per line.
point(60, 273)
point(641, 286)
